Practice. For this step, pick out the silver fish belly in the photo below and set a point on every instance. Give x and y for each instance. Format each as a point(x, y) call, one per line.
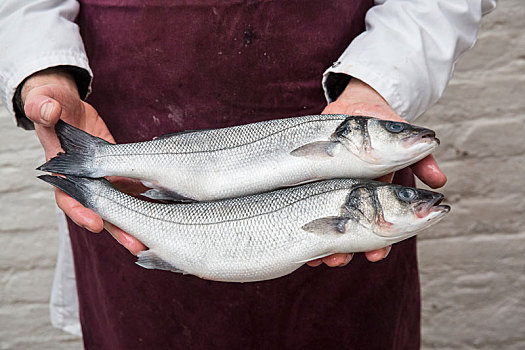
point(262, 236)
point(248, 159)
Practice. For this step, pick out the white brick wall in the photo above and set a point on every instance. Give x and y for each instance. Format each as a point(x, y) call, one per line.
point(472, 263)
point(28, 244)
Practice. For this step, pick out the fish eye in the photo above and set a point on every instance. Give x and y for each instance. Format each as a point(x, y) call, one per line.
point(394, 127)
point(407, 194)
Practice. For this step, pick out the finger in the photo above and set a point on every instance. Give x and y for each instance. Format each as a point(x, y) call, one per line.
point(314, 263)
point(129, 242)
point(44, 112)
point(80, 215)
point(379, 254)
point(428, 171)
point(339, 259)
point(49, 140)
point(42, 109)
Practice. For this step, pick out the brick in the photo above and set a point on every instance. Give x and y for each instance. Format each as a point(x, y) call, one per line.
point(28, 250)
point(489, 97)
point(495, 138)
point(27, 326)
point(470, 217)
point(482, 139)
point(20, 286)
point(16, 139)
point(28, 211)
point(483, 177)
point(473, 292)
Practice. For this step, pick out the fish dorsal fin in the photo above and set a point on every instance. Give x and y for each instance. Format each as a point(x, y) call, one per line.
point(148, 259)
point(327, 225)
point(317, 150)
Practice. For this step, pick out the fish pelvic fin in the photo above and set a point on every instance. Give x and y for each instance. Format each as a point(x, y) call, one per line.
point(148, 259)
point(80, 149)
point(166, 195)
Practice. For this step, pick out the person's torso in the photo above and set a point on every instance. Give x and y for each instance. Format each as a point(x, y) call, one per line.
point(163, 66)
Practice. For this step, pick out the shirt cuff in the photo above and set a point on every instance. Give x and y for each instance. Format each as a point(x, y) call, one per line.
point(408, 50)
point(336, 77)
point(75, 62)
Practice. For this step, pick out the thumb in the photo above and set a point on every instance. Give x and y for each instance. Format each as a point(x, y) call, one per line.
point(42, 109)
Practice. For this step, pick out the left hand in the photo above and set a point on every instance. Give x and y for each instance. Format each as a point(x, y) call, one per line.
point(48, 96)
point(359, 98)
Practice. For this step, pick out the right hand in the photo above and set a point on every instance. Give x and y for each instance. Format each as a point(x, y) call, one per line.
point(48, 96)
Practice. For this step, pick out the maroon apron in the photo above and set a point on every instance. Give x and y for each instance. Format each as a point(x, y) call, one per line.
point(163, 66)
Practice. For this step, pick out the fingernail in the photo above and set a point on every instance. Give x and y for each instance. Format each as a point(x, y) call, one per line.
point(80, 225)
point(85, 227)
point(347, 260)
point(388, 249)
point(45, 111)
point(331, 261)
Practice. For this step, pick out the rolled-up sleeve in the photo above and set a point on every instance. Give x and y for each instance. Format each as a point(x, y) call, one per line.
point(35, 35)
point(408, 50)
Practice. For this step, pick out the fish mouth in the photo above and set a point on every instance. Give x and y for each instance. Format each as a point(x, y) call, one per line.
point(423, 136)
point(432, 205)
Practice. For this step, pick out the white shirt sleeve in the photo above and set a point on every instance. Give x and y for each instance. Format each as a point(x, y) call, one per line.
point(408, 50)
point(55, 42)
point(25, 50)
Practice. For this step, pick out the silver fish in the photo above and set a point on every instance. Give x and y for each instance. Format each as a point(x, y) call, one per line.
point(262, 236)
point(248, 159)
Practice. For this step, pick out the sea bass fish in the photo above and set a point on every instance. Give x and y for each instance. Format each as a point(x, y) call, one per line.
point(262, 236)
point(247, 159)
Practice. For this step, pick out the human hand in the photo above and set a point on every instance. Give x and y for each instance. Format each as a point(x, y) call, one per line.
point(359, 98)
point(48, 96)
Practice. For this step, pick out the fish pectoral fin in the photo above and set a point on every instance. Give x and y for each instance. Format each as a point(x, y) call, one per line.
point(148, 259)
point(166, 195)
point(317, 150)
point(328, 225)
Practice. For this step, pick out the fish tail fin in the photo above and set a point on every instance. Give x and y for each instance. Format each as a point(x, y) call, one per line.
point(80, 149)
point(77, 187)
